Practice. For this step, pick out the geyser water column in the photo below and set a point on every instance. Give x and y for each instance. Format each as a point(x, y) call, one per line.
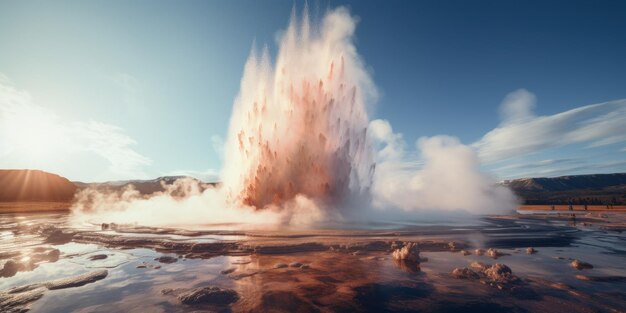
point(299, 127)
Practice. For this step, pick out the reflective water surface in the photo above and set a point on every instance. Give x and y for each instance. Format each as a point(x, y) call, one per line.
point(330, 270)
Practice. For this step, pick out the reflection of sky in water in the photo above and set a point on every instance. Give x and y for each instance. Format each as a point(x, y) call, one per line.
point(45, 271)
point(174, 237)
point(129, 287)
point(72, 248)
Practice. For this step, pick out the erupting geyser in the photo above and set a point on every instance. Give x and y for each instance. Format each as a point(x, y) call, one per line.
point(299, 127)
point(300, 143)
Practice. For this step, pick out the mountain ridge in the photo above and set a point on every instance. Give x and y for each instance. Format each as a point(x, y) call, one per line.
point(571, 189)
point(144, 186)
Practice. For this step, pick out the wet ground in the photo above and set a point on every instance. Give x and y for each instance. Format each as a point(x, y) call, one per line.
point(575, 266)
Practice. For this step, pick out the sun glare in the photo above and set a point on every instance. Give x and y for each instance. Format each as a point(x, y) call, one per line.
point(34, 137)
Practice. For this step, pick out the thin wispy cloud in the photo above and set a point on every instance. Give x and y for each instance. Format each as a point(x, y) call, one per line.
point(522, 133)
point(583, 167)
point(33, 136)
point(539, 164)
point(111, 143)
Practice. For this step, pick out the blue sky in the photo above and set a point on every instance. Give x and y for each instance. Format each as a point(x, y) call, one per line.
point(160, 77)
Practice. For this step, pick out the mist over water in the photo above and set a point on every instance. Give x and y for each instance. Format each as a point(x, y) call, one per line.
point(301, 150)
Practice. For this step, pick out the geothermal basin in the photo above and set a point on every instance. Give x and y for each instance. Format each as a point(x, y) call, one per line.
point(551, 262)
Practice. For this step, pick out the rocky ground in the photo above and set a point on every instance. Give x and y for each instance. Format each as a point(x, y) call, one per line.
point(513, 263)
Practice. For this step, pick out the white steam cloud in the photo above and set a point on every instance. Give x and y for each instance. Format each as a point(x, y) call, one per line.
point(445, 177)
point(186, 202)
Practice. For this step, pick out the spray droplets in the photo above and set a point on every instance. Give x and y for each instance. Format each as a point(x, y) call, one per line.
point(309, 138)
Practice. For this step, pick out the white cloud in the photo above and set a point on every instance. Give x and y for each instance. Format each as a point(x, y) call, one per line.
point(522, 133)
point(573, 168)
point(110, 142)
point(538, 164)
point(32, 136)
point(517, 107)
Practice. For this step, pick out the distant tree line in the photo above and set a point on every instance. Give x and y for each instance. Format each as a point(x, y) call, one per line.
point(579, 201)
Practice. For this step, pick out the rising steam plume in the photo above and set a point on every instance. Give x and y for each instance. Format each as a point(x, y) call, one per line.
point(299, 126)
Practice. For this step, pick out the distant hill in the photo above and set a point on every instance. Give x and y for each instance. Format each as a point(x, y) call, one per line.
point(577, 189)
point(145, 187)
point(34, 185)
